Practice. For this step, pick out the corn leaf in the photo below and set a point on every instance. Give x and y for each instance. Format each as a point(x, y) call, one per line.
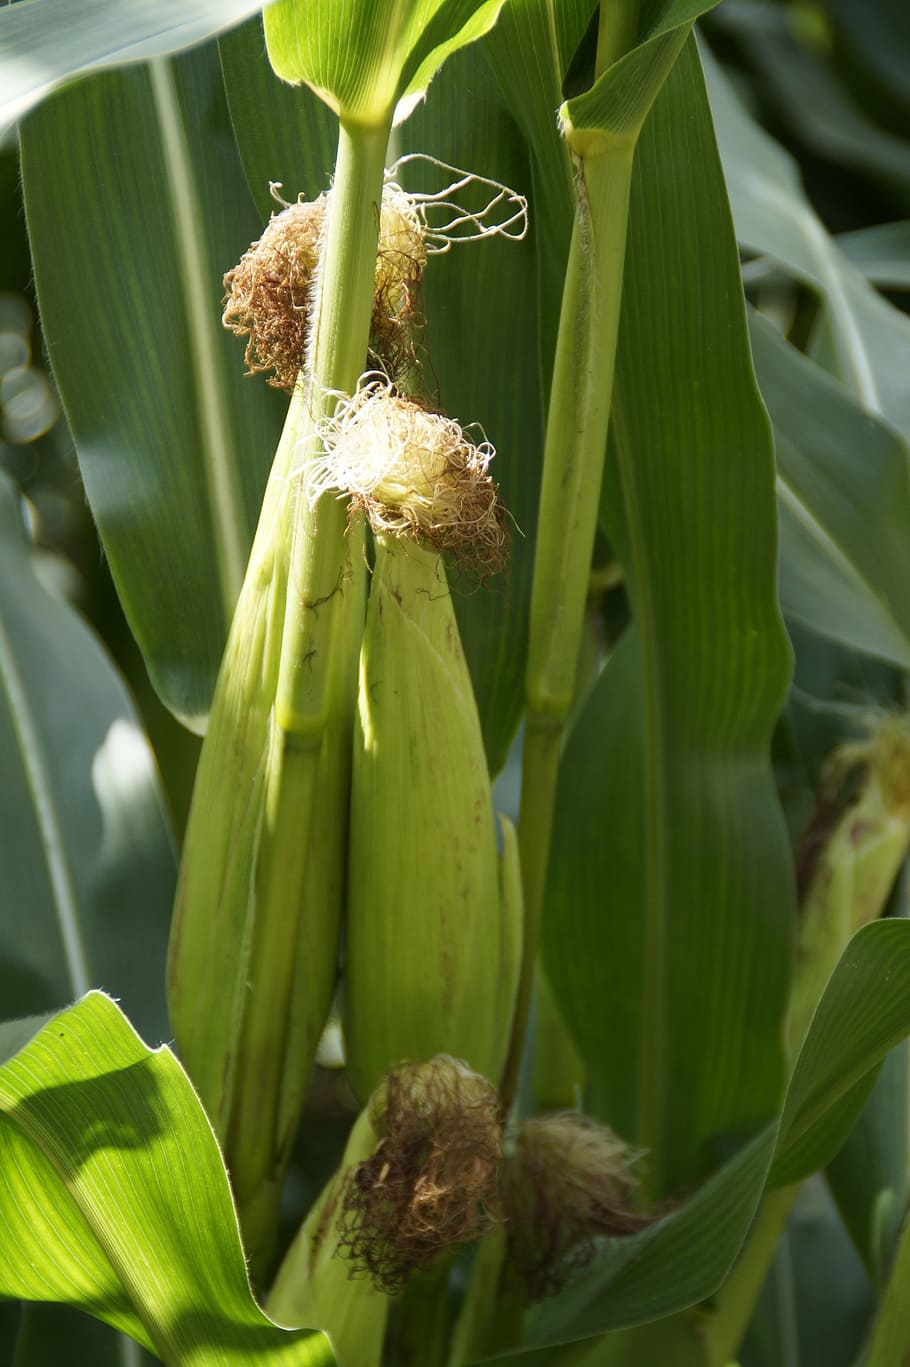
point(114, 1197)
point(60, 1333)
point(868, 1176)
point(619, 100)
point(882, 253)
point(774, 216)
point(41, 47)
point(173, 444)
point(840, 472)
point(682, 1259)
point(85, 844)
point(669, 915)
point(363, 56)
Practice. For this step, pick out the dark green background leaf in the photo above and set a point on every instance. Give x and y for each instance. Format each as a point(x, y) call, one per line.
point(173, 442)
point(85, 844)
point(670, 950)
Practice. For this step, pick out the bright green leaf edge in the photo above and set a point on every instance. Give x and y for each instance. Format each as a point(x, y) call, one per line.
point(685, 1257)
point(114, 1197)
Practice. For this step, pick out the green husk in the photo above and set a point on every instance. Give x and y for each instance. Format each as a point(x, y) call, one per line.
point(431, 948)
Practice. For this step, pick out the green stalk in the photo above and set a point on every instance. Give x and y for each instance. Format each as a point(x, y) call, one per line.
point(576, 440)
point(325, 595)
point(890, 1342)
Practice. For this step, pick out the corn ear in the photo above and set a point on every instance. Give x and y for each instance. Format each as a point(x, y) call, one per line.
point(855, 869)
point(431, 946)
point(220, 976)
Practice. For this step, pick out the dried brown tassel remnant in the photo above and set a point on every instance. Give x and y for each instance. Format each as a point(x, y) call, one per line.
point(566, 1182)
point(415, 474)
point(269, 294)
point(432, 1181)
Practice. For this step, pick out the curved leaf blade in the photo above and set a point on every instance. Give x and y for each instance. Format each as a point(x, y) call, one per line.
point(361, 58)
point(668, 942)
point(774, 216)
point(862, 1015)
point(114, 1197)
point(683, 1259)
point(840, 473)
point(38, 53)
point(85, 844)
point(174, 446)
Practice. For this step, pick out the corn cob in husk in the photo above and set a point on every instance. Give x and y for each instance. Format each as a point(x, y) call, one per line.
point(854, 867)
point(419, 1176)
point(430, 949)
point(432, 946)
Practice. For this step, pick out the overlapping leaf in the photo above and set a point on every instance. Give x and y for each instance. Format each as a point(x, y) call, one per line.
point(363, 56)
point(682, 1259)
point(114, 1197)
point(39, 53)
point(85, 844)
point(173, 443)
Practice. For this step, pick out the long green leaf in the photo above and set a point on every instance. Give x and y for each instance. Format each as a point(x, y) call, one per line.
point(85, 844)
point(868, 1177)
point(39, 52)
point(670, 906)
point(774, 216)
point(136, 205)
point(858, 1018)
point(114, 1197)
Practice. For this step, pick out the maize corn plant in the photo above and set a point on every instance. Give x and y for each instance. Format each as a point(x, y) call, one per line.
point(476, 929)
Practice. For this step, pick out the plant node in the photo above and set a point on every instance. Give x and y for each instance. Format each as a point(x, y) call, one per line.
point(431, 1182)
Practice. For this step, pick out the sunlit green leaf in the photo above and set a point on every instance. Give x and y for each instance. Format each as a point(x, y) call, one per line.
point(362, 58)
point(114, 1197)
point(39, 53)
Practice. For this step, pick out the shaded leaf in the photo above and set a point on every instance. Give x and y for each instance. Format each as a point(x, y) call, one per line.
point(868, 1177)
point(85, 843)
point(284, 133)
point(773, 216)
point(860, 1017)
point(683, 1258)
point(173, 444)
point(840, 473)
point(882, 253)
